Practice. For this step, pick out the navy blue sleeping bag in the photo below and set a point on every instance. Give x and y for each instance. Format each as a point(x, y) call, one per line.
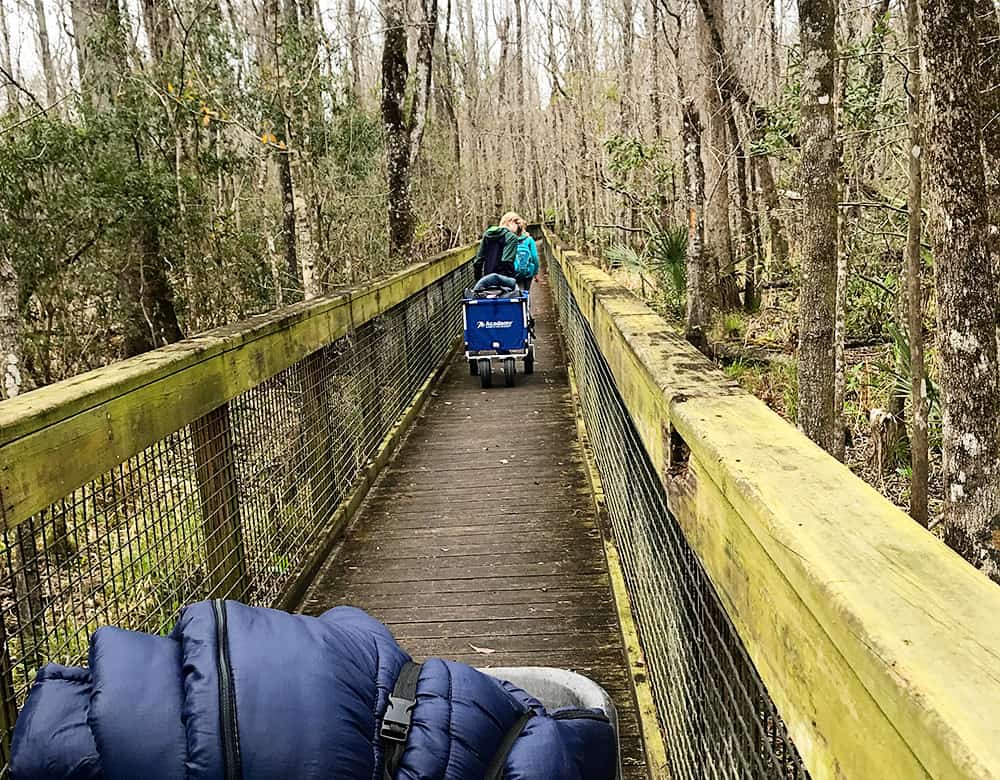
point(244, 693)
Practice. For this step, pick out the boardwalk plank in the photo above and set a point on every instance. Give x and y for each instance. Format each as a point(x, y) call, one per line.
point(456, 550)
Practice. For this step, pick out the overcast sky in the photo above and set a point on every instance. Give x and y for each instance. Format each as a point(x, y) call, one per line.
point(21, 23)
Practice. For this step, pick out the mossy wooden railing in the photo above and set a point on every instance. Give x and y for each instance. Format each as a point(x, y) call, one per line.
point(55, 439)
point(878, 644)
point(218, 466)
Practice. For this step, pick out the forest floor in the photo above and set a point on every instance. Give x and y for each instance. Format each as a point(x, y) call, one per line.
point(758, 351)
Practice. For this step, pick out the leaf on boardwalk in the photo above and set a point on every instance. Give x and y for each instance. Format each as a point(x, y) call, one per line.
point(483, 650)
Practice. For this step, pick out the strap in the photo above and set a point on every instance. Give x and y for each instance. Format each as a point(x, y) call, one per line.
point(396, 721)
point(396, 726)
point(496, 767)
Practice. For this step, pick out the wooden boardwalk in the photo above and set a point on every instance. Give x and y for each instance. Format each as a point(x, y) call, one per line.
point(480, 543)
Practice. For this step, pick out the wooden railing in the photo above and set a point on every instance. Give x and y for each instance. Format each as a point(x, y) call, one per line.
point(219, 466)
point(878, 644)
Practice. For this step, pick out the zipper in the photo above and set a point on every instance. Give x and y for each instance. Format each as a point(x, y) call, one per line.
point(227, 696)
point(580, 714)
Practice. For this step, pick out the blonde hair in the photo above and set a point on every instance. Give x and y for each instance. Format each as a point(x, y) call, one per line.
point(510, 216)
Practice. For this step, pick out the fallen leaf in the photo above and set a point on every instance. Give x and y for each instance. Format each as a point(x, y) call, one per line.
point(483, 650)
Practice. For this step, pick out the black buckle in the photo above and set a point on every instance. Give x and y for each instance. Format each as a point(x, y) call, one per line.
point(396, 723)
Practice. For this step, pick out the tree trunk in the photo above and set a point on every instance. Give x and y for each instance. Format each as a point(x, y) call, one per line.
point(874, 76)
point(718, 231)
point(101, 50)
point(150, 320)
point(674, 45)
point(629, 124)
point(966, 281)
point(450, 102)
point(521, 141)
point(839, 336)
point(778, 265)
point(45, 53)
point(715, 154)
point(289, 235)
point(397, 135)
point(697, 312)
point(159, 28)
point(819, 174)
point(504, 141)
point(747, 247)
point(354, 48)
point(303, 110)
point(10, 330)
point(7, 63)
point(586, 38)
point(914, 286)
point(471, 45)
point(654, 67)
point(732, 89)
point(422, 78)
point(989, 85)
point(304, 218)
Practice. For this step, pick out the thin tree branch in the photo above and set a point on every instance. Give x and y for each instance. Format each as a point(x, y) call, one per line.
point(10, 77)
point(625, 228)
point(865, 204)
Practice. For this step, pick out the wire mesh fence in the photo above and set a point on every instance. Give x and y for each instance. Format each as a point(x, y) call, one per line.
point(715, 713)
point(233, 505)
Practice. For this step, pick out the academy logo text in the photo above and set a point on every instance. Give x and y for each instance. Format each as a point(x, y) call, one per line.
point(494, 323)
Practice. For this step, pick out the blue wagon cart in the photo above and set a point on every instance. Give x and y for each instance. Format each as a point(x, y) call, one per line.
point(497, 328)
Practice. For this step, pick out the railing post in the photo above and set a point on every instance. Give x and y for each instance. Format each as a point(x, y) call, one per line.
point(215, 472)
point(368, 361)
point(8, 697)
point(317, 429)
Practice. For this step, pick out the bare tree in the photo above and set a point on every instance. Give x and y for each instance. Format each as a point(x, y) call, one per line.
point(733, 89)
point(146, 297)
point(45, 52)
point(354, 47)
point(718, 232)
point(819, 174)
point(989, 85)
point(914, 286)
point(625, 98)
point(159, 18)
point(423, 77)
point(6, 62)
point(967, 283)
point(10, 330)
point(723, 79)
point(395, 71)
point(101, 47)
point(655, 100)
point(404, 129)
point(299, 113)
point(697, 315)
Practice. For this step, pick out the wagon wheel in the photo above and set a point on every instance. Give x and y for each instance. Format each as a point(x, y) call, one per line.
point(509, 370)
point(485, 373)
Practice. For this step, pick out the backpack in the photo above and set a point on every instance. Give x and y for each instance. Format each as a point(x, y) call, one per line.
point(525, 266)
